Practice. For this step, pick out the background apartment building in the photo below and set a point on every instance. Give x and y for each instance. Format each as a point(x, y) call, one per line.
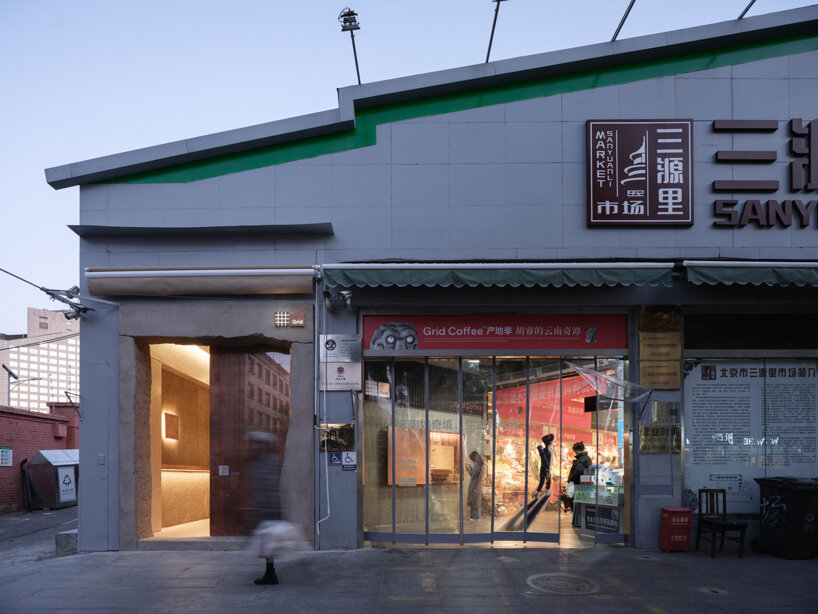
point(46, 361)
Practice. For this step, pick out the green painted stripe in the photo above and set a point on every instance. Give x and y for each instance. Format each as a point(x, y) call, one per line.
point(367, 120)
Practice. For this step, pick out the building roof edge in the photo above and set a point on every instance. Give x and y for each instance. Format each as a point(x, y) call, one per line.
point(654, 46)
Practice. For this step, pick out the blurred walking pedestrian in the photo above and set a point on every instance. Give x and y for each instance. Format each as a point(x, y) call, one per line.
point(264, 474)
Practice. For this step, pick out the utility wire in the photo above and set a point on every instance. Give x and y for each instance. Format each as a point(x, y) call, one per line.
point(42, 342)
point(63, 296)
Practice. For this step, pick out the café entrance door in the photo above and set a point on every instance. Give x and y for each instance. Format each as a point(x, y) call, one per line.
point(451, 451)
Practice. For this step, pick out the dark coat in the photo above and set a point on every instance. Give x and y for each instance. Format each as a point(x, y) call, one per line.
point(265, 474)
point(475, 484)
point(581, 462)
point(545, 461)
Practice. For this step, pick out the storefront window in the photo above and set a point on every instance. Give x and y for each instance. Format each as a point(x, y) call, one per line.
point(445, 447)
point(377, 425)
point(478, 410)
point(545, 404)
point(408, 444)
point(456, 447)
point(511, 463)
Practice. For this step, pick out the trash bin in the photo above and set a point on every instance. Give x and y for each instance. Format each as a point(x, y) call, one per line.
point(52, 478)
point(789, 507)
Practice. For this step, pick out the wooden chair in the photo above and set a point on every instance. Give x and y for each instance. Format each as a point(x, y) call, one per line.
point(713, 521)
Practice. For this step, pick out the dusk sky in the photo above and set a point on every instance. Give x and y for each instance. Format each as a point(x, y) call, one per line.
point(90, 78)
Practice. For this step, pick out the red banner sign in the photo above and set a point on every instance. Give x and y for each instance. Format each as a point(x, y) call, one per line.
point(495, 332)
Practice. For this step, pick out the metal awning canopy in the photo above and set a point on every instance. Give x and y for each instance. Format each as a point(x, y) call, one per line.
point(757, 273)
point(165, 281)
point(500, 275)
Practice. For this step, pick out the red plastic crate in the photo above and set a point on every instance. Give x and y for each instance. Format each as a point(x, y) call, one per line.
point(675, 529)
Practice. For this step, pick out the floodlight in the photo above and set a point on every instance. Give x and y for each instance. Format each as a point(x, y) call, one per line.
point(349, 23)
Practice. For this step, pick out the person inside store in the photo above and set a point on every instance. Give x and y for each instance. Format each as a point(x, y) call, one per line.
point(545, 464)
point(580, 465)
point(475, 484)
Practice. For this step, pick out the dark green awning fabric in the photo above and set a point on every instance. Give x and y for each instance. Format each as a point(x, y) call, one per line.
point(458, 278)
point(755, 275)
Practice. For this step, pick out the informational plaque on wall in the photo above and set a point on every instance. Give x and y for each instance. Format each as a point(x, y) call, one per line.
point(660, 346)
point(660, 374)
point(660, 438)
point(746, 419)
point(340, 357)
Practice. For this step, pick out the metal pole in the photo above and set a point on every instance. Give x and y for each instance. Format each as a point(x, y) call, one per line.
point(747, 8)
point(527, 427)
point(493, 25)
point(621, 23)
point(428, 473)
point(462, 463)
point(355, 53)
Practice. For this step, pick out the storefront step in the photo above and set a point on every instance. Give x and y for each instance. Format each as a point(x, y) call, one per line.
point(221, 544)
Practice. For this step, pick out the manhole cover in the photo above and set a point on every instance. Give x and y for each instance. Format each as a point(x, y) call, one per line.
point(713, 591)
point(563, 584)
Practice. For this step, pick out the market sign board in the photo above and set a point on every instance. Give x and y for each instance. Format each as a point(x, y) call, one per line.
point(513, 332)
point(640, 172)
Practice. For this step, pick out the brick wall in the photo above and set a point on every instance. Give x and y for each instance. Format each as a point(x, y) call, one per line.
point(27, 432)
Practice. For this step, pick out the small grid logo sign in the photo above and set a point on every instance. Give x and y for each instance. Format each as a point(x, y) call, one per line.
point(282, 318)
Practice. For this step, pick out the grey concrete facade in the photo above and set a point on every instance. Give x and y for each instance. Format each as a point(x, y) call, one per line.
point(488, 181)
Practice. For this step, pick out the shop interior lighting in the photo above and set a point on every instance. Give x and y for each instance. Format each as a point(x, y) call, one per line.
point(349, 23)
point(170, 426)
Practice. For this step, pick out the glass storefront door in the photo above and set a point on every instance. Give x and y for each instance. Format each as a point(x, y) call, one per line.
point(480, 448)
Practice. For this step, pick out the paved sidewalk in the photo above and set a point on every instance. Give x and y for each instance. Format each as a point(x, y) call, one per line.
point(468, 580)
point(26, 538)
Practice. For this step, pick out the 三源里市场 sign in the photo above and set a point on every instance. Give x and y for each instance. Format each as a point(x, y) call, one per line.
point(640, 172)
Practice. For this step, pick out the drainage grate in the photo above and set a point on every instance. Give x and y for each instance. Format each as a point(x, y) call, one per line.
point(563, 584)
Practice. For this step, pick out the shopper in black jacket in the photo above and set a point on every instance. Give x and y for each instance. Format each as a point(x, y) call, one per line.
point(545, 463)
point(264, 475)
point(581, 463)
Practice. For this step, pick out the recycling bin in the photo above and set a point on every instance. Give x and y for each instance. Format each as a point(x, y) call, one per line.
point(788, 516)
point(52, 479)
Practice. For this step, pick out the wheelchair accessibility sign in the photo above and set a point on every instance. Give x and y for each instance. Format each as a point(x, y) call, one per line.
point(348, 461)
point(335, 458)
